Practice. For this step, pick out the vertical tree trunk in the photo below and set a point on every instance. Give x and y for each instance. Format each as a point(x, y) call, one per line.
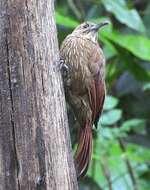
point(35, 151)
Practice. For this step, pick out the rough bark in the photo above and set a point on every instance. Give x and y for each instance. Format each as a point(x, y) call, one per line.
point(35, 151)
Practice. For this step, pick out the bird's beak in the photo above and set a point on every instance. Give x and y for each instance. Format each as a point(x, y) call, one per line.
point(96, 27)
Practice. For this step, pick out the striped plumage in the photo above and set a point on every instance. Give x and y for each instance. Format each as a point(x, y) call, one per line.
point(84, 83)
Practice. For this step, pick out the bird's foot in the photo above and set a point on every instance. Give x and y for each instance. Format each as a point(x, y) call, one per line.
point(64, 68)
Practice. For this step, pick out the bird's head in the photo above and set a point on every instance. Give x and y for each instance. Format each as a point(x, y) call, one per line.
point(89, 30)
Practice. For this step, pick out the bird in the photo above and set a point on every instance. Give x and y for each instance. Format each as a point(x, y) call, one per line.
point(83, 73)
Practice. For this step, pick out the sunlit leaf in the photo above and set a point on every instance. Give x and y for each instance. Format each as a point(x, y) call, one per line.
point(110, 117)
point(136, 44)
point(146, 87)
point(137, 153)
point(65, 20)
point(110, 102)
point(127, 16)
point(111, 133)
point(133, 124)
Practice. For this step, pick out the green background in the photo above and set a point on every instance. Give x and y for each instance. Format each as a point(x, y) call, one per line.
point(121, 155)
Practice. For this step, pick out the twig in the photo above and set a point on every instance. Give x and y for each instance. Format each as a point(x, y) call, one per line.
point(94, 161)
point(81, 8)
point(120, 176)
point(129, 167)
point(106, 173)
point(74, 9)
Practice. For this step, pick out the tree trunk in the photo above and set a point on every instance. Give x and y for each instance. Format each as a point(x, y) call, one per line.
point(35, 151)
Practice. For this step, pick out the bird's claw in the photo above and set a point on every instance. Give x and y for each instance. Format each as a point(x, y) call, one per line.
point(64, 68)
point(61, 63)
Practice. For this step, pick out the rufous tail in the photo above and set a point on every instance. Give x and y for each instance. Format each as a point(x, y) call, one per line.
point(84, 150)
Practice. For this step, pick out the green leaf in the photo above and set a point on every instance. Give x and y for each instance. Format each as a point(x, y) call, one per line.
point(133, 124)
point(112, 133)
point(126, 16)
point(146, 87)
point(109, 49)
point(96, 174)
point(136, 44)
point(137, 153)
point(65, 21)
point(110, 102)
point(111, 117)
point(137, 70)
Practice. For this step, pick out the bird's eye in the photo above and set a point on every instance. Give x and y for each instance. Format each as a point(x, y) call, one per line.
point(86, 26)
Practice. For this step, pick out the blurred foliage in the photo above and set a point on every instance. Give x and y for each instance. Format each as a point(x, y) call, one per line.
point(121, 155)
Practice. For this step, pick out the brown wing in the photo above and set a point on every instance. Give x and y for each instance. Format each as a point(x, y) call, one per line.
point(97, 88)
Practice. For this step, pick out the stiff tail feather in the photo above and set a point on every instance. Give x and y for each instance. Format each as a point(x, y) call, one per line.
point(84, 150)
